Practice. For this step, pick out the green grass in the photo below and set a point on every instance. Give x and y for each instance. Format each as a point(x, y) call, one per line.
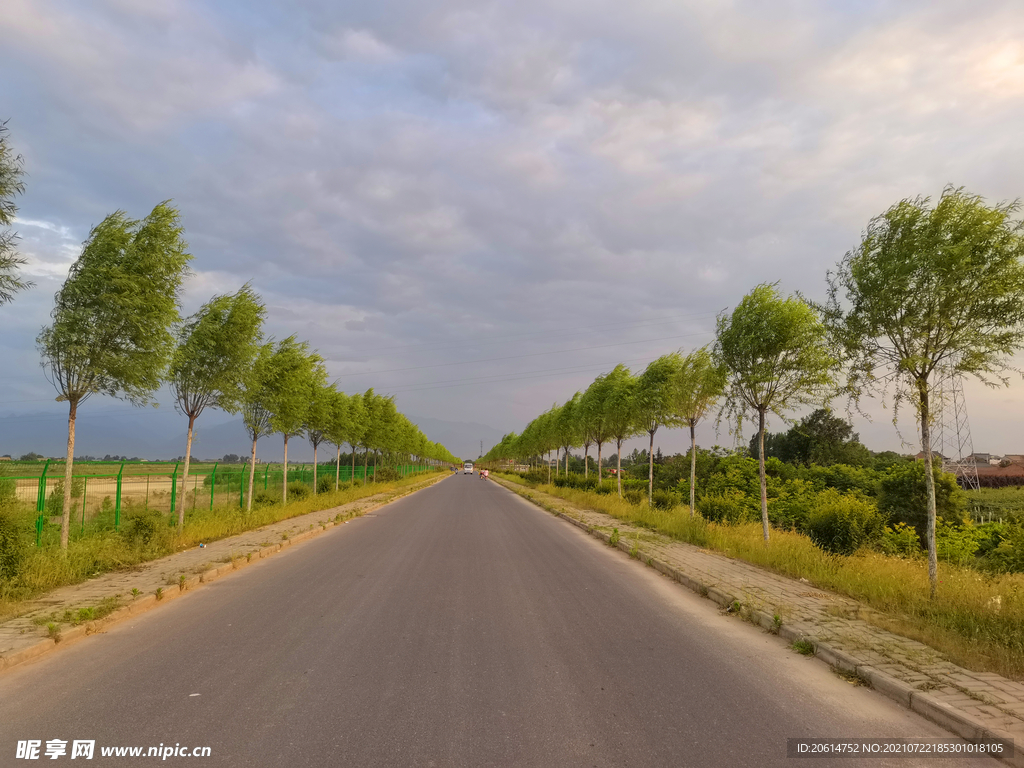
point(102, 551)
point(977, 620)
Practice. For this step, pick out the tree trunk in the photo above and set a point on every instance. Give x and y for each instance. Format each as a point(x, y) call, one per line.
point(929, 485)
point(567, 462)
point(252, 475)
point(599, 463)
point(549, 466)
point(586, 460)
point(375, 465)
point(760, 467)
point(314, 468)
point(693, 467)
point(284, 493)
point(366, 463)
point(184, 479)
point(352, 479)
point(618, 464)
point(65, 520)
point(337, 469)
point(650, 471)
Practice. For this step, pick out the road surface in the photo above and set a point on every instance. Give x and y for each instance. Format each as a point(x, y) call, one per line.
point(459, 626)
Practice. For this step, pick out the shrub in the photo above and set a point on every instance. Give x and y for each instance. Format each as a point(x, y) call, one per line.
point(298, 491)
point(725, 508)
point(634, 496)
point(606, 486)
point(843, 523)
point(662, 499)
point(55, 501)
point(792, 504)
point(1008, 555)
point(577, 482)
point(12, 550)
point(535, 476)
point(264, 499)
point(325, 483)
point(900, 540)
point(386, 475)
point(8, 493)
point(902, 497)
point(140, 527)
point(954, 542)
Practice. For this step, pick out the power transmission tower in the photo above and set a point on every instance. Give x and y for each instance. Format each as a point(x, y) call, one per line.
point(954, 441)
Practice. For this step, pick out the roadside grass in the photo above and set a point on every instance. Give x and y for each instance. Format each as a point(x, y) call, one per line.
point(976, 620)
point(103, 551)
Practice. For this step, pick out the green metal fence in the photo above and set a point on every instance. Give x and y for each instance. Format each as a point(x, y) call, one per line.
point(106, 490)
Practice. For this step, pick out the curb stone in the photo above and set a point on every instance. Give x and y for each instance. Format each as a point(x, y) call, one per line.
point(144, 603)
point(958, 723)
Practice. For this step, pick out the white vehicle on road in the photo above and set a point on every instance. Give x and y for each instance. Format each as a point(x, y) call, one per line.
point(467, 468)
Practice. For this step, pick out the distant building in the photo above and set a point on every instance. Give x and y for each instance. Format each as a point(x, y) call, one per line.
point(920, 455)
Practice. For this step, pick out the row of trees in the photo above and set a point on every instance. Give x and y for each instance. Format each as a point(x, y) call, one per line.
point(931, 290)
point(116, 330)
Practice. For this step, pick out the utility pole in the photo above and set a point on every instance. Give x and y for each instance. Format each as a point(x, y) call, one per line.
point(954, 441)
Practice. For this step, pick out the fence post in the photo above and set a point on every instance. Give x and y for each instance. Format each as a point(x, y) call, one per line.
point(40, 522)
point(41, 497)
point(213, 484)
point(174, 485)
point(266, 475)
point(241, 488)
point(117, 504)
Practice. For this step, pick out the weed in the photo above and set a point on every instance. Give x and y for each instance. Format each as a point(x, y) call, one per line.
point(736, 607)
point(613, 540)
point(702, 590)
point(53, 632)
point(248, 557)
point(84, 615)
point(136, 592)
point(806, 647)
point(284, 536)
point(650, 562)
point(851, 677)
point(776, 623)
point(181, 582)
point(159, 593)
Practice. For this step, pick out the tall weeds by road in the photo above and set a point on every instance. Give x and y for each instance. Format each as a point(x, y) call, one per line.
point(976, 619)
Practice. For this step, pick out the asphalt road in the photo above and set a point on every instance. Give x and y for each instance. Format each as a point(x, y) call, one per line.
point(459, 626)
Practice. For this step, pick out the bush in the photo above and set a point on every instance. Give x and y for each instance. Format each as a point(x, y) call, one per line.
point(8, 493)
point(900, 540)
point(1008, 555)
point(264, 499)
point(298, 491)
point(606, 486)
point(634, 496)
point(577, 482)
point(535, 476)
point(55, 501)
point(12, 550)
point(792, 504)
point(140, 527)
point(386, 475)
point(725, 508)
point(843, 523)
point(902, 497)
point(662, 499)
point(325, 483)
point(954, 542)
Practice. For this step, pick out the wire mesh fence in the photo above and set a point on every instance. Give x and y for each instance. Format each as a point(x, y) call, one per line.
point(102, 493)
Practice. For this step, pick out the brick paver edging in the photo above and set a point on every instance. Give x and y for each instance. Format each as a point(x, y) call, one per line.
point(34, 648)
point(959, 723)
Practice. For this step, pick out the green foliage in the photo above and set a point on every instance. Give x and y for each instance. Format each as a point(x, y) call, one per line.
point(900, 540)
point(140, 527)
point(8, 493)
point(843, 523)
point(325, 483)
point(264, 499)
point(11, 184)
point(956, 542)
point(732, 507)
point(1008, 555)
point(55, 501)
point(298, 491)
point(386, 475)
point(12, 548)
point(575, 481)
point(902, 496)
point(215, 351)
point(663, 499)
point(819, 438)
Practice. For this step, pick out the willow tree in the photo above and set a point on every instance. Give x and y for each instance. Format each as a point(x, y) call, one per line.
point(338, 428)
point(775, 354)
point(595, 417)
point(653, 403)
point(357, 416)
point(296, 372)
point(620, 411)
point(215, 351)
point(317, 422)
point(12, 171)
point(112, 318)
point(698, 387)
point(255, 404)
point(930, 288)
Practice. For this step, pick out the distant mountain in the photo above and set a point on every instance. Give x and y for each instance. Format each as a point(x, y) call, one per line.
point(460, 437)
point(160, 433)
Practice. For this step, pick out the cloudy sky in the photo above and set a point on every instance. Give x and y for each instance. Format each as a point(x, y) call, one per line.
point(479, 206)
